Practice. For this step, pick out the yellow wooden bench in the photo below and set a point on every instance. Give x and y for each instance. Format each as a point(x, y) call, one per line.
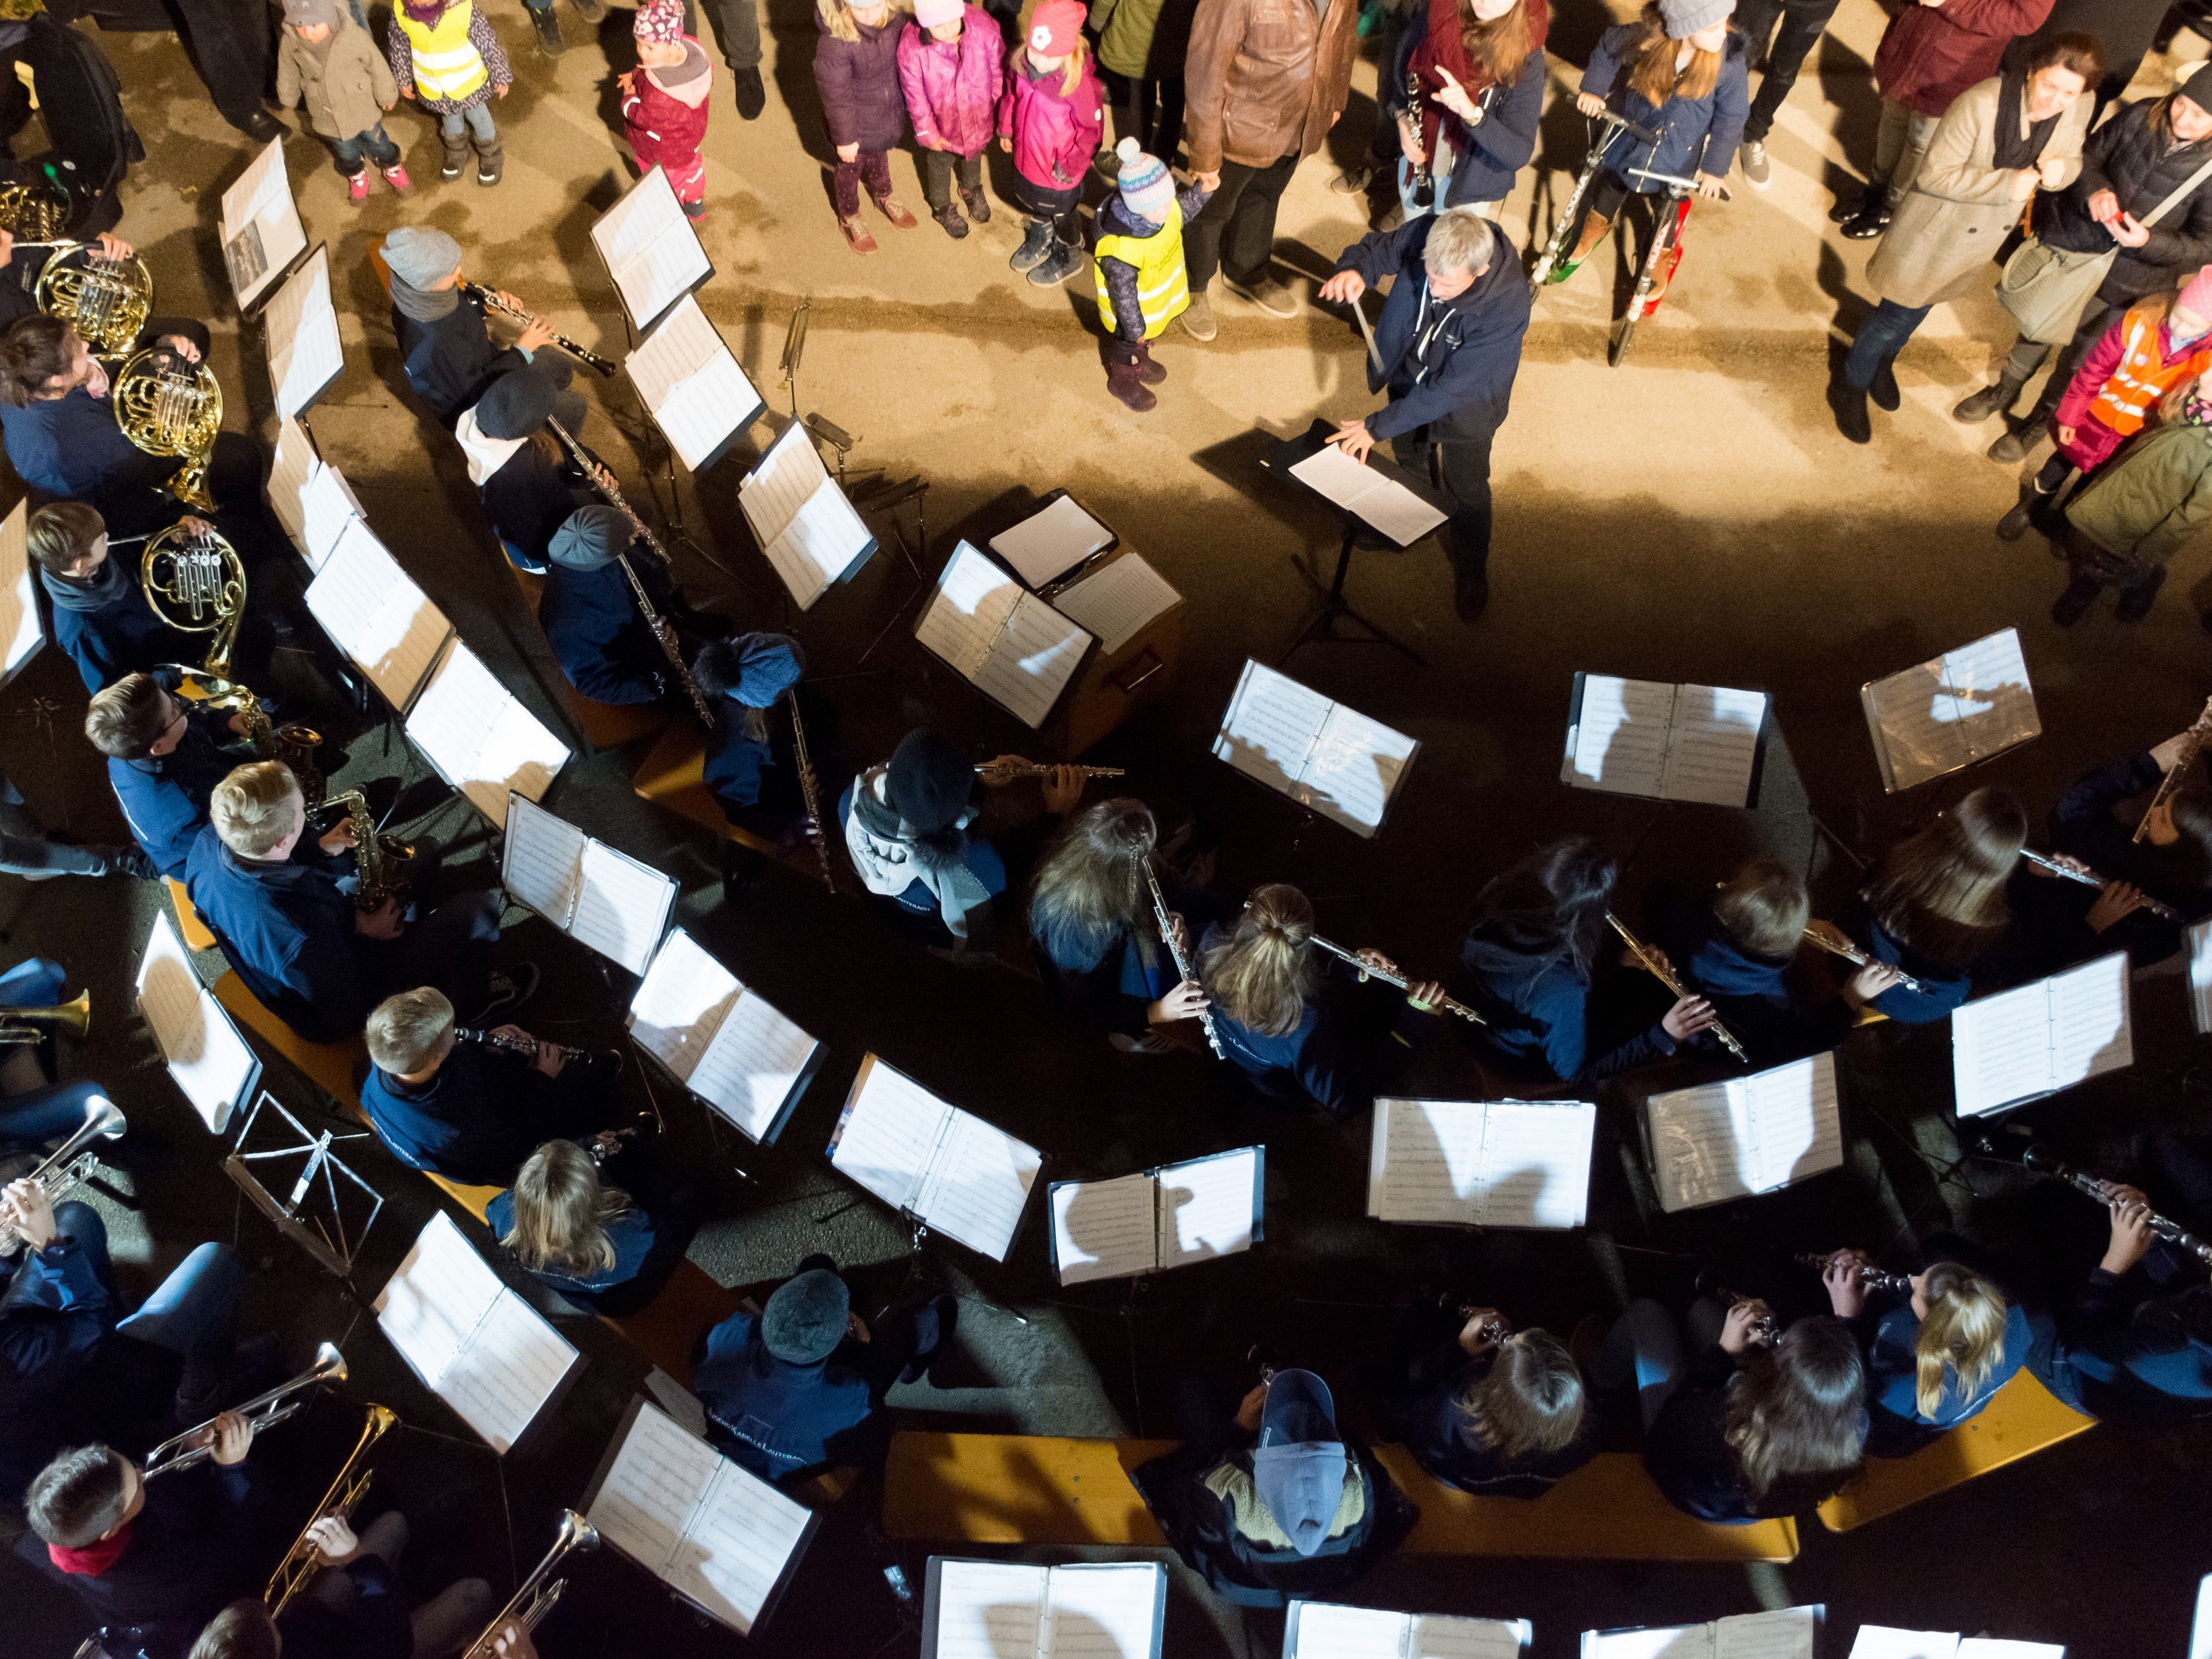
point(2021, 1418)
point(673, 775)
point(189, 928)
point(1037, 1489)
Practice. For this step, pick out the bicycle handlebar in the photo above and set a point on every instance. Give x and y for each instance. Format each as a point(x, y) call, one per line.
point(1610, 118)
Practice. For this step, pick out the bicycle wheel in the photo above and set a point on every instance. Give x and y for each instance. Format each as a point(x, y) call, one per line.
point(1624, 331)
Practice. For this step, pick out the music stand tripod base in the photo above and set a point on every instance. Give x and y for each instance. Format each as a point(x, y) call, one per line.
point(1335, 607)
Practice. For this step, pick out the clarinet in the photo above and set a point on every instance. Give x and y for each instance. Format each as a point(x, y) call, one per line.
point(2040, 1160)
point(490, 301)
point(523, 1048)
point(1175, 951)
point(1765, 1329)
point(1030, 768)
point(2091, 878)
point(1424, 189)
point(601, 478)
point(809, 790)
point(1872, 1278)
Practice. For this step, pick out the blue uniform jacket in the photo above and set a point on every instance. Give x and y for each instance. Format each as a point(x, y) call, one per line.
point(1696, 135)
point(72, 449)
point(1105, 981)
point(54, 1314)
point(1688, 1452)
point(1940, 989)
point(452, 361)
point(2086, 824)
point(121, 636)
point(1500, 144)
point(598, 636)
point(288, 931)
point(632, 1234)
point(164, 797)
point(1538, 1015)
point(1753, 995)
point(1434, 1430)
point(779, 1420)
point(475, 1120)
point(530, 497)
point(1898, 1425)
point(2128, 1357)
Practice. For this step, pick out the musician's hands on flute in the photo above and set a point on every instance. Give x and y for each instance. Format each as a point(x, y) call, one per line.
point(334, 1540)
point(1846, 1290)
point(2065, 859)
point(1187, 1001)
point(2116, 901)
point(1063, 790)
point(1872, 980)
point(2132, 1234)
point(1688, 1017)
point(1428, 995)
point(1737, 1331)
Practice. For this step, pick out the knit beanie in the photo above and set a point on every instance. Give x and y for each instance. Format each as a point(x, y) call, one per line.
point(930, 781)
point(1147, 189)
point(591, 537)
point(806, 1319)
point(753, 669)
point(416, 256)
point(519, 402)
point(1684, 18)
point(1056, 27)
point(932, 13)
point(1298, 1463)
point(311, 12)
point(660, 21)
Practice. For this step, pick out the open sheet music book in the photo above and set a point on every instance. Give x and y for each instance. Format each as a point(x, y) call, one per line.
point(1164, 1217)
point(721, 1040)
point(948, 1169)
point(1052, 541)
point(327, 506)
point(480, 1348)
point(723, 1539)
point(2199, 941)
point(1785, 1633)
point(1882, 1641)
point(20, 628)
point(805, 527)
point(1368, 492)
point(1482, 1163)
point(2021, 1044)
point(1006, 642)
point(650, 249)
point(1328, 1630)
point(480, 737)
point(1698, 743)
point(1117, 601)
point(207, 1056)
point(597, 895)
point(1952, 711)
point(305, 353)
point(375, 614)
point(1320, 753)
point(2200, 1630)
point(1011, 1610)
point(1750, 1134)
point(694, 390)
point(261, 230)
point(292, 466)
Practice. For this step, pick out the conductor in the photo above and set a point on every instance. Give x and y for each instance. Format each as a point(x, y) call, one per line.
point(1446, 350)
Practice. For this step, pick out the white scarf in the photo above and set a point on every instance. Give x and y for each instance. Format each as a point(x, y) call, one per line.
point(485, 455)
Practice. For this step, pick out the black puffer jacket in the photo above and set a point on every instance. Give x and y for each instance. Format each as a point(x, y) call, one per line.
point(2130, 155)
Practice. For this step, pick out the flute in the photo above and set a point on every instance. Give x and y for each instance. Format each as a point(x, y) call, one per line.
point(1175, 953)
point(1658, 971)
point(2188, 757)
point(1872, 1278)
point(1765, 1328)
point(1852, 954)
point(809, 789)
point(488, 298)
point(2039, 1160)
point(1451, 1005)
point(1018, 767)
point(2091, 878)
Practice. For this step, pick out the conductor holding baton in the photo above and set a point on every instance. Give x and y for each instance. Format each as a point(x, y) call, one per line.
point(1446, 350)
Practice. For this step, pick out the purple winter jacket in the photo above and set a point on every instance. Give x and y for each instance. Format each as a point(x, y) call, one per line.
point(1054, 137)
point(952, 88)
point(858, 82)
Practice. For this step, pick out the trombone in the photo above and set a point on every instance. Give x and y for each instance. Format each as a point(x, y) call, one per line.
point(196, 1446)
point(71, 1164)
point(1650, 961)
point(536, 1598)
point(22, 1025)
point(1367, 970)
point(302, 1562)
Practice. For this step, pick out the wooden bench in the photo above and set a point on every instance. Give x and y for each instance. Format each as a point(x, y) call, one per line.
point(604, 724)
point(2021, 1418)
point(189, 928)
point(1037, 1489)
point(673, 775)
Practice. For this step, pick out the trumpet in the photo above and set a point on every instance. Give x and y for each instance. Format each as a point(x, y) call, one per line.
point(2041, 1161)
point(302, 1562)
point(1176, 955)
point(2091, 878)
point(536, 1598)
point(1872, 1278)
point(69, 1166)
point(264, 1411)
point(490, 299)
point(1452, 1004)
point(2188, 757)
point(810, 791)
point(107, 300)
point(22, 1025)
point(1852, 954)
point(1006, 771)
point(1651, 964)
point(168, 406)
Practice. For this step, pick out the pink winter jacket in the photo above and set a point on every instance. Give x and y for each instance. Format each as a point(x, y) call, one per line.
point(952, 88)
point(1054, 137)
point(2093, 441)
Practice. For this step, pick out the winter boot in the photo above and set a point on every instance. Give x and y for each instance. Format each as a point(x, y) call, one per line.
point(949, 216)
point(547, 29)
point(2025, 512)
point(1883, 387)
point(1123, 376)
point(1036, 245)
point(2137, 597)
point(456, 156)
point(1977, 407)
point(1849, 402)
point(1150, 372)
point(2071, 606)
point(1872, 216)
point(751, 93)
point(1057, 266)
point(978, 204)
point(491, 161)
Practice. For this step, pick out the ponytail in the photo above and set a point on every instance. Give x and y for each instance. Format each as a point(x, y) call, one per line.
point(1262, 976)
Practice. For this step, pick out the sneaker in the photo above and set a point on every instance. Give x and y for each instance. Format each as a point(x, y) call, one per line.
point(1035, 244)
point(1752, 158)
point(357, 187)
point(130, 860)
point(894, 210)
point(547, 27)
point(509, 990)
point(592, 11)
point(978, 205)
point(1057, 266)
point(1197, 318)
point(856, 234)
point(752, 95)
point(396, 176)
point(1271, 294)
point(2071, 606)
point(1883, 388)
point(1872, 217)
point(949, 216)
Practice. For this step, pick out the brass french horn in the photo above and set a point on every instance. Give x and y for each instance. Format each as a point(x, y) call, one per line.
point(106, 300)
point(168, 406)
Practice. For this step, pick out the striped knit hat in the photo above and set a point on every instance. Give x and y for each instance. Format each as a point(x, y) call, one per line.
point(1146, 188)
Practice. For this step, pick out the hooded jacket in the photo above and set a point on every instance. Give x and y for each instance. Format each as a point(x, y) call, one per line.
point(1688, 1452)
point(106, 626)
point(1898, 1425)
point(474, 1120)
point(1753, 995)
point(2146, 506)
point(1537, 1015)
point(1489, 154)
point(890, 861)
point(665, 124)
point(2087, 823)
point(347, 84)
point(1434, 1430)
point(165, 797)
point(953, 88)
point(2126, 1356)
point(1696, 135)
point(598, 636)
point(286, 930)
point(1055, 134)
point(782, 1421)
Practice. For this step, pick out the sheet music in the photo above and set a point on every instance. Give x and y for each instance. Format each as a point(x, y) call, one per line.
point(681, 1003)
point(1782, 1633)
point(1536, 1164)
point(2200, 1631)
point(2090, 1033)
point(622, 906)
point(1790, 1116)
point(754, 1061)
point(651, 1489)
point(1943, 715)
point(650, 248)
point(979, 1185)
point(1271, 727)
point(1620, 741)
point(1670, 1642)
point(737, 1547)
point(1424, 1161)
point(1882, 1641)
point(1994, 1647)
point(430, 1307)
point(969, 612)
point(1118, 601)
point(2033, 1039)
point(376, 615)
point(261, 229)
point(481, 737)
point(292, 466)
point(506, 1371)
point(1032, 662)
point(988, 1609)
point(1755, 1135)
point(1713, 745)
point(1106, 1611)
point(305, 353)
point(1697, 1154)
point(327, 507)
point(18, 605)
point(694, 388)
point(1442, 1636)
point(2199, 942)
point(543, 864)
point(1327, 1629)
point(1208, 1203)
point(205, 1054)
point(1354, 765)
point(1382, 501)
point(889, 1133)
point(806, 528)
point(1052, 541)
point(1105, 1229)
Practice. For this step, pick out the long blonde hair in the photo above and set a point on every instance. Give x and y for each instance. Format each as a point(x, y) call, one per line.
point(1962, 1336)
point(1090, 885)
point(1262, 974)
point(1651, 73)
point(837, 16)
point(562, 1212)
point(1943, 890)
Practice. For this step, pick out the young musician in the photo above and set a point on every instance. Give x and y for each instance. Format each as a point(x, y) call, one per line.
point(101, 619)
point(2127, 1353)
point(593, 1243)
point(750, 766)
point(2096, 820)
point(528, 480)
point(470, 1112)
point(1937, 903)
point(799, 1385)
point(445, 346)
point(590, 612)
point(294, 935)
point(1289, 1028)
point(1529, 966)
point(1272, 1503)
point(356, 1607)
point(1933, 1359)
point(163, 763)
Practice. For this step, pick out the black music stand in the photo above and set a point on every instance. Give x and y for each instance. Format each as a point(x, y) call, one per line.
point(1334, 605)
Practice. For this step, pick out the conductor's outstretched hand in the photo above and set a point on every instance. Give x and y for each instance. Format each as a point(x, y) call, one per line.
point(1344, 287)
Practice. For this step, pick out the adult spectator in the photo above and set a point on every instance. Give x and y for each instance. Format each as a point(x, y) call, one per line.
point(1449, 345)
point(2125, 28)
point(1777, 36)
point(229, 42)
point(737, 32)
point(1930, 53)
point(1264, 83)
point(547, 27)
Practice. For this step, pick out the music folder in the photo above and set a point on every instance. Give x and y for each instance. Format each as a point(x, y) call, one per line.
point(1481, 1163)
point(2019, 1045)
point(210, 1061)
point(2198, 943)
point(375, 614)
point(260, 226)
point(1944, 715)
point(1330, 1630)
point(650, 249)
point(1010, 645)
point(1886, 1641)
point(1168, 1217)
point(807, 530)
point(21, 625)
point(1782, 1633)
point(1748, 1135)
point(1013, 1610)
point(1694, 743)
point(479, 737)
point(598, 895)
point(948, 1170)
point(305, 352)
point(1117, 600)
point(696, 392)
point(1378, 492)
point(292, 465)
point(1324, 754)
point(721, 1040)
point(1057, 537)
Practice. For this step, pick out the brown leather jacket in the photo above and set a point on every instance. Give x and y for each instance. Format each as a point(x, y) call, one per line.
point(1265, 78)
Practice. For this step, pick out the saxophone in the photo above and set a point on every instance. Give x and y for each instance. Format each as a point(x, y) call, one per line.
point(383, 860)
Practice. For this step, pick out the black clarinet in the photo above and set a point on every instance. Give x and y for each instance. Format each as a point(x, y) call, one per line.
point(1424, 192)
point(1872, 1278)
point(488, 298)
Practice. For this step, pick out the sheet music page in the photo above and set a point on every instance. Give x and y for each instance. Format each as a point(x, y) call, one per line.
point(506, 1371)
point(1118, 600)
point(825, 536)
point(1328, 1630)
point(305, 353)
point(1209, 1203)
point(1882, 1641)
point(375, 614)
point(969, 611)
point(2001, 1048)
point(2200, 1630)
point(1424, 1161)
point(1441, 1635)
point(260, 226)
point(327, 507)
point(1536, 1163)
point(1052, 541)
point(1620, 740)
point(1714, 745)
point(979, 1185)
point(1987, 685)
point(1032, 661)
point(695, 390)
point(622, 906)
point(544, 866)
point(292, 466)
point(988, 1609)
point(1698, 1154)
point(1994, 1647)
point(1914, 721)
point(737, 1547)
point(2198, 941)
point(1382, 501)
point(681, 1004)
point(1271, 727)
point(2090, 1033)
point(1790, 1114)
point(1104, 1612)
point(1782, 1633)
point(1673, 1642)
point(207, 1056)
point(891, 1128)
point(650, 248)
point(18, 605)
point(1105, 1229)
point(1354, 765)
point(479, 735)
point(651, 1489)
point(430, 1307)
point(773, 494)
point(753, 1064)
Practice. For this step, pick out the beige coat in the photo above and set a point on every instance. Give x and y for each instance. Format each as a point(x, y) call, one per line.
point(1951, 222)
point(346, 89)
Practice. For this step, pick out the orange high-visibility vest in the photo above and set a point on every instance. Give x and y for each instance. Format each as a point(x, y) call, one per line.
point(2143, 375)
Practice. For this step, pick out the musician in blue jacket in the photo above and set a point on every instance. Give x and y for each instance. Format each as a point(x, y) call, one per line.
point(529, 482)
point(163, 762)
point(751, 769)
point(2126, 1352)
point(594, 1243)
point(590, 613)
point(1935, 1355)
point(1446, 348)
point(56, 1312)
point(2096, 820)
point(101, 619)
point(446, 347)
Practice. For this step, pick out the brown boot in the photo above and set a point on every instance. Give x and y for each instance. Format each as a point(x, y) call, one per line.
point(1150, 372)
point(1594, 230)
point(856, 234)
point(894, 210)
point(1123, 379)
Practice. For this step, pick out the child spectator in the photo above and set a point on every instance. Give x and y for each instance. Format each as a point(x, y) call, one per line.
point(445, 55)
point(856, 71)
point(952, 67)
point(347, 87)
point(1142, 284)
point(1051, 118)
point(2142, 510)
point(665, 102)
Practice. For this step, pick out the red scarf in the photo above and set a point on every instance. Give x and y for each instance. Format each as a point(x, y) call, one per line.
point(94, 1557)
point(1444, 45)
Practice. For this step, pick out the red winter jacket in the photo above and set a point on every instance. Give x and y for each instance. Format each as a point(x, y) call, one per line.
point(1930, 54)
point(663, 126)
point(1054, 137)
point(953, 88)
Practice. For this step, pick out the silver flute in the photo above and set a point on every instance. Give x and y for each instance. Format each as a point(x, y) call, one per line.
point(1174, 952)
point(1852, 954)
point(1869, 1278)
point(1451, 1005)
point(810, 790)
point(2091, 878)
point(1657, 969)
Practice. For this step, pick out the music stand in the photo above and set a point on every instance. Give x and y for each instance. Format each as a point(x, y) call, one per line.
point(331, 1241)
point(1334, 605)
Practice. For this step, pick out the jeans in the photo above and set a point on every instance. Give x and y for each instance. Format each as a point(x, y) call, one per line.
point(1801, 25)
point(1235, 231)
point(476, 120)
point(939, 169)
point(193, 1314)
point(736, 29)
point(42, 1114)
point(1880, 338)
point(352, 154)
point(1643, 1351)
point(1149, 109)
point(442, 1624)
point(1901, 144)
point(1460, 468)
point(872, 165)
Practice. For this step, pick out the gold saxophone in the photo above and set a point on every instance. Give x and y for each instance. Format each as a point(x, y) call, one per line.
point(382, 859)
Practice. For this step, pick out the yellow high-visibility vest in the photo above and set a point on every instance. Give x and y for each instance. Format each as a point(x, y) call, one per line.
point(445, 64)
point(1162, 288)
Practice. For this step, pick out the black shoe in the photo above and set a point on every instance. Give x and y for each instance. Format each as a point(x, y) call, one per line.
point(261, 126)
point(2014, 523)
point(2071, 606)
point(1849, 403)
point(131, 861)
point(548, 29)
point(1872, 217)
point(1470, 594)
point(2013, 444)
point(1883, 387)
point(751, 95)
point(2136, 600)
point(592, 11)
point(1846, 208)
